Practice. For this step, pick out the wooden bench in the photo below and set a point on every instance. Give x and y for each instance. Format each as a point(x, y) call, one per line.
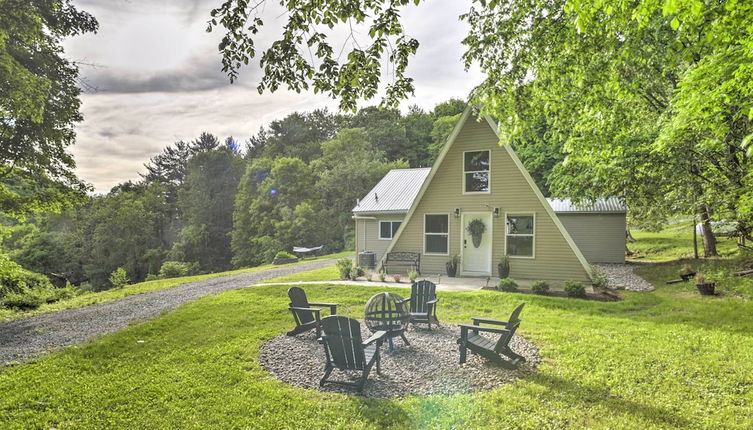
point(411, 260)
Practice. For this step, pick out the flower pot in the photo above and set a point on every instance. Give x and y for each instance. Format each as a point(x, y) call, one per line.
point(686, 276)
point(503, 271)
point(451, 270)
point(706, 289)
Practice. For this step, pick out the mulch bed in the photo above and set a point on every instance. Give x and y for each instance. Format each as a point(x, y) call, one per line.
point(430, 365)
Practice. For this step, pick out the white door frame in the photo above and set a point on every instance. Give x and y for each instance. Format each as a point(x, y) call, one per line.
point(490, 248)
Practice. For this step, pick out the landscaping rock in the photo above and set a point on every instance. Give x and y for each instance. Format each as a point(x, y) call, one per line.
point(430, 365)
point(623, 275)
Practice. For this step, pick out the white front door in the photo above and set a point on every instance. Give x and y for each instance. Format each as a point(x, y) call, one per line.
point(476, 260)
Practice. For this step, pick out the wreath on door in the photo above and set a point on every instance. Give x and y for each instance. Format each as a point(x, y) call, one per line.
point(476, 229)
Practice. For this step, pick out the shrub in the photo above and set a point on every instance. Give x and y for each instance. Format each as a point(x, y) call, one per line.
point(119, 278)
point(284, 254)
point(382, 276)
point(599, 277)
point(32, 298)
point(357, 272)
point(344, 267)
point(575, 289)
point(175, 269)
point(507, 284)
point(540, 287)
point(412, 275)
point(396, 278)
point(151, 277)
point(26, 299)
point(16, 279)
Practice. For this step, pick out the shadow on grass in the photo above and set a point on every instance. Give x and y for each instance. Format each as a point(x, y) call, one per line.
point(380, 413)
point(575, 393)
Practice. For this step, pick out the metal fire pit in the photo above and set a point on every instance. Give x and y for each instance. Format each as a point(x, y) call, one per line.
point(387, 312)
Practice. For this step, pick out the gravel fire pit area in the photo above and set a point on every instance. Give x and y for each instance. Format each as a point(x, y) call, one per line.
point(430, 365)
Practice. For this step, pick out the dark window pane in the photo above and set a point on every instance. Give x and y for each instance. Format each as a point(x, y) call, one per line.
point(385, 230)
point(395, 226)
point(475, 182)
point(520, 224)
point(436, 243)
point(520, 246)
point(477, 160)
point(437, 224)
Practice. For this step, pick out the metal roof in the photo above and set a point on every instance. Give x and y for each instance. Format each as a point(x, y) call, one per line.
point(602, 205)
point(394, 193)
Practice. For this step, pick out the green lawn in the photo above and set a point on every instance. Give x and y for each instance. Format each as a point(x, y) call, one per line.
point(673, 242)
point(329, 273)
point(142, 287)
point(666, 359)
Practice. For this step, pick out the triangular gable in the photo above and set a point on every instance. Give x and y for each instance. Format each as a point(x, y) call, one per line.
point(527, 176)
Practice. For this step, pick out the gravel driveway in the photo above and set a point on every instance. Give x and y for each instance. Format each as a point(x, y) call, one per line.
point(23, 339)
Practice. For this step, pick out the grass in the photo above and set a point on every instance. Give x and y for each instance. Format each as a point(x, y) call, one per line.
point(673, 242)
point(667, 359)
point(328, 273)
point(142, 287)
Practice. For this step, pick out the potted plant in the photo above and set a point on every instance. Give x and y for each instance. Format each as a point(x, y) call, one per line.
point(452, 266)
point(476, 228)
point(503, 267)
point(686, 272)
point(705, 286)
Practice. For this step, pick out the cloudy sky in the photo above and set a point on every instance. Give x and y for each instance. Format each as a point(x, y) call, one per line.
point(158, 80)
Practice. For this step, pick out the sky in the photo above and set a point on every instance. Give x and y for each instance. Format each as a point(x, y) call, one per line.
point(153, 76)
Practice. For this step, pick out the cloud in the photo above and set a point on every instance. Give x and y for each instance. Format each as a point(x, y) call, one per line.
point(201, 73)
point(160, 80)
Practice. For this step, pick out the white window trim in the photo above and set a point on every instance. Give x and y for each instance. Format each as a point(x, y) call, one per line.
point(535, 228)
point(488, 172)
point(392, 230)
point(423, 236)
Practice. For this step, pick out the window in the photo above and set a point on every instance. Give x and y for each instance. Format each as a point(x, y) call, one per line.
point(520, 235)
point(476, 172)
point(436, 234)
point(387, 229)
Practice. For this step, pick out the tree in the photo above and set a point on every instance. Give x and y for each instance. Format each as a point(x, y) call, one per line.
point(206, 203)
point(290, 60)
point(298, 135)
point(39, 105)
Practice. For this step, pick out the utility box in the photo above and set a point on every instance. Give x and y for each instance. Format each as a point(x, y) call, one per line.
point(367, 259)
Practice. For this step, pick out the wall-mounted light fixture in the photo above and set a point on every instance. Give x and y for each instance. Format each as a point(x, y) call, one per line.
point(496, 212)
point(457, 212)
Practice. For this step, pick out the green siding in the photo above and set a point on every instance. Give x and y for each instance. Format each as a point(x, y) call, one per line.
point(600, 237)
point(367, 234)
point(554, 259)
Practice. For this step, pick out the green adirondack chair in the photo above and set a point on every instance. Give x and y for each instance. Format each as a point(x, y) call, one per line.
point(470, 339)
point(345, 350)
point(423, 303)
point(306, 318)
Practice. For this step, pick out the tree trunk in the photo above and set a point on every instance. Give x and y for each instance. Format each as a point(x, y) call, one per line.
point(629, 235)
point(709, 241)
point(695, 240)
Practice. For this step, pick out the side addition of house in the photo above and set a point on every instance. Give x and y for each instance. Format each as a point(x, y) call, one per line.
point(475, 185)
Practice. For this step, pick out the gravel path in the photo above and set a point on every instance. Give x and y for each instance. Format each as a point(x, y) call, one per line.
point(23, 339)
point(430, 365)
point(623, 275)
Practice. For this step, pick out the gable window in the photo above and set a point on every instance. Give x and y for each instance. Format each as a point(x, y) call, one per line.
point(387, 229)
point(476, 171)
point(520, 235)
point(436, 234)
